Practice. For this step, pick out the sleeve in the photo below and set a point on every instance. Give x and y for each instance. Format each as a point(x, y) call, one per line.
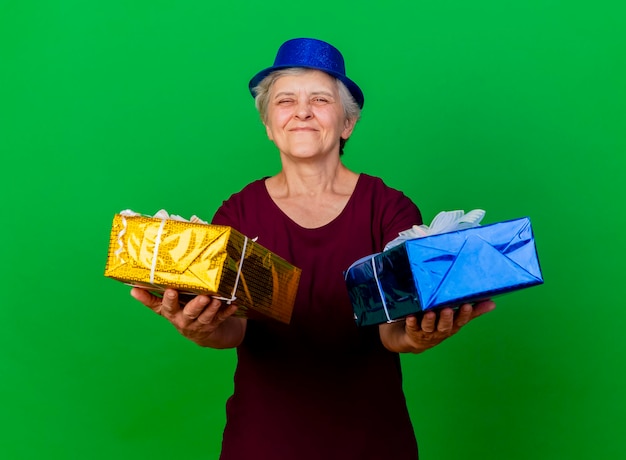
point(235, 211)
point(227, 214)
point(400, 214)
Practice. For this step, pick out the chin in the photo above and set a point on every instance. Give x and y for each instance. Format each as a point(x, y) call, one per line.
point(302, 152)
point(308, 155)
point(306, 151)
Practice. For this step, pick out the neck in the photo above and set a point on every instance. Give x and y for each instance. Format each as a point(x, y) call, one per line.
point(311, 178)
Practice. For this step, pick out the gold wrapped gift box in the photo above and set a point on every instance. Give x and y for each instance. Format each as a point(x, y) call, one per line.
point(198, 258)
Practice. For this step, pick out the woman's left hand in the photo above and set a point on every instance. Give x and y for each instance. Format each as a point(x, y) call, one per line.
point(413, 336)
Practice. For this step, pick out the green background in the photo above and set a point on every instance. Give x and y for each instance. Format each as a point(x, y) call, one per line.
point(517, 108)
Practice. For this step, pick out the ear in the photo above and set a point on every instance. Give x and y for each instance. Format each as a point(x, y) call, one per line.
point(268, 131)
point(348, 128)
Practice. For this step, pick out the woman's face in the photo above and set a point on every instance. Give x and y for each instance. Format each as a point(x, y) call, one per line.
point(305, 117)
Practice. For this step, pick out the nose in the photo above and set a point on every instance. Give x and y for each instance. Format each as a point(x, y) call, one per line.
point(303, 109)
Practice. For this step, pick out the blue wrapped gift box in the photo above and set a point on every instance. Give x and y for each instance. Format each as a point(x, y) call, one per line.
point(443, 270)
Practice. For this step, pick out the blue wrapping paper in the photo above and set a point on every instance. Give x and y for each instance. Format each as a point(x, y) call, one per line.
point(444, 270)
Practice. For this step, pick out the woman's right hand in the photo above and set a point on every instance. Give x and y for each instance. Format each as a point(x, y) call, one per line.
point(203, 320)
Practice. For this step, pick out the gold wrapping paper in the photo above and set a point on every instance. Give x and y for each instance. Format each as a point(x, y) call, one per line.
point(197, 258)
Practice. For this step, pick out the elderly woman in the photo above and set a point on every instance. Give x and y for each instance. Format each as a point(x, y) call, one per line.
point(319, 387)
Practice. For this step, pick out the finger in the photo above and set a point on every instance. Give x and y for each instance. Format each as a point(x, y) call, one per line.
point(446, 319)
point(169, 302)
point(210, 312)
point(464, 315)
point(142, 295)
point(483, 307)
point(428, 322)
point(223, 313)
point(195, 307)
point(411, 324)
